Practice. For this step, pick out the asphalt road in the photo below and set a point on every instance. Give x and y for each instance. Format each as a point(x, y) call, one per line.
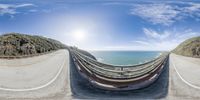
point(55, 77)
point(184, 78)
point(40, 77)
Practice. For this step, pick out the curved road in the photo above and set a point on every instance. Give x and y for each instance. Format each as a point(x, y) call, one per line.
point(179, 81)
point(35, 77)
point(184, 78)
point(53, 76)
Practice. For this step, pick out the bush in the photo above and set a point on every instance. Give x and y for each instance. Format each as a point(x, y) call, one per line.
point(15, 44)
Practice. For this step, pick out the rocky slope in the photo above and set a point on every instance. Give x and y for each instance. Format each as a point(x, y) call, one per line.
point(190, 47)
point(15, 44)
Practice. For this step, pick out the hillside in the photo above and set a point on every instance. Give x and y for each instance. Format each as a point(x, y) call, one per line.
point(190, 47)
point(15, 44)
point(83, 52)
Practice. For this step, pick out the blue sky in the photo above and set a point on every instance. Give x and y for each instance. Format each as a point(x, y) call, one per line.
point(104, 25)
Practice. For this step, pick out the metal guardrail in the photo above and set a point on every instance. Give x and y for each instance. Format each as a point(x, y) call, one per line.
point(120, 74)
point(112, 67)
point(117, 68)
point(91, 65)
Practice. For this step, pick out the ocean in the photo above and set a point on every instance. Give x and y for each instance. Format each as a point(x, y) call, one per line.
point(124, 57)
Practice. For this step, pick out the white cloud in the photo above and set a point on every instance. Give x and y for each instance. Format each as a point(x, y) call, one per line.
point(33, 10)
point(192, 8)
point(11, 8)
point(141, 42)
point(125, 47)
point(166, 40)
point(156, 13)
point(154, 34)
point(165, 13)
point(155, 40)
point(186, 34)
point(23, 5)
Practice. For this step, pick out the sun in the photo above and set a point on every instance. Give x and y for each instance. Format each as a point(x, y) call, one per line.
point(79, 35)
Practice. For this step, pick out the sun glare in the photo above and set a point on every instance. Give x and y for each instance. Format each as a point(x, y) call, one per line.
point(79, 35)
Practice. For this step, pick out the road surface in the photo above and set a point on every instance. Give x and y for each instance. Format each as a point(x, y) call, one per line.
point(39, 77)
point(179, 80)
point(184, 78)
point(47, 77)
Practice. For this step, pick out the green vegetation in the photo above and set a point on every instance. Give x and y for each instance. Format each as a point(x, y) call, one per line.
point(15, 44)
point(190, 47)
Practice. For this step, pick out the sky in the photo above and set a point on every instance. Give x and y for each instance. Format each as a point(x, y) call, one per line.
point(104, 25)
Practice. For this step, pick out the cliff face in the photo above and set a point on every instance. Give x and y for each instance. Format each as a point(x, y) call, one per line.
point(15, 44)
point(190, 47)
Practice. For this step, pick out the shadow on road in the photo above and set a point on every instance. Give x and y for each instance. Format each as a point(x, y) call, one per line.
point(82, 89)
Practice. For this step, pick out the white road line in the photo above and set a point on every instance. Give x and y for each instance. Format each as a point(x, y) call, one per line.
point(194, 86)
point(36, 88)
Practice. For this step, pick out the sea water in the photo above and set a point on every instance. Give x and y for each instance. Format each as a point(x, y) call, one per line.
point(125, 57)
